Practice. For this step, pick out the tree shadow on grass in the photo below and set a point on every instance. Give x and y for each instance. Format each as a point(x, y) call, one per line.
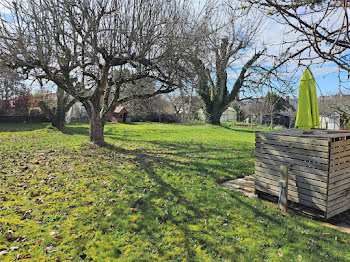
point(218, 163)
point(241, 130)
point(19, 127)
point(198, 199)
point(76, 130)
point(148, 163)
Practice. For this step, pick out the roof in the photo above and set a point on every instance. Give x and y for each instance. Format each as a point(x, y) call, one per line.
point(118, 109)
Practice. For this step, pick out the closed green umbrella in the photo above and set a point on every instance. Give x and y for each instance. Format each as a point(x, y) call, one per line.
point(307, 115)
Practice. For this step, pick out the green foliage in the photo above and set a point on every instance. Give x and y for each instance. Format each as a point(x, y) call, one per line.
point(345, 119)
point(274, 102)
point(213, 92)
point(151, 195)
point(347, 127)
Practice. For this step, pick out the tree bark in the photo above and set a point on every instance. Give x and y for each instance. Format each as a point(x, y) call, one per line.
point(88, 109)
point(213, 117)
point(60, 110)
point(213, 120)
point(97, 124)
point(57, 116)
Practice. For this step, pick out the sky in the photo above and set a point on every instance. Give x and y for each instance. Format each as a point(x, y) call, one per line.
point(327, 76)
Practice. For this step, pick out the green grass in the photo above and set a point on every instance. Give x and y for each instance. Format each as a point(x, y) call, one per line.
point(152, 194)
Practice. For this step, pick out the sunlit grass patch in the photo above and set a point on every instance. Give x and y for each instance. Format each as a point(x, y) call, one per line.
point(153, 194)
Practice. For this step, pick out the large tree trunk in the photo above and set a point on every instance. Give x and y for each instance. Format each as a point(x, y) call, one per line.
point(213, 120)
point(57, 116)
point(213, 116)
point(60, 110)
point(96, 127)
point(88, 109)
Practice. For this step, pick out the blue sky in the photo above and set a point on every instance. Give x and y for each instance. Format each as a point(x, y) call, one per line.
point(328, 83)
point(327, 75)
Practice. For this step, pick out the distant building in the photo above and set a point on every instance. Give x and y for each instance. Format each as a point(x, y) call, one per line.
point(282, 119)
point(331, 122)
point(230, 115)
point(120, 115)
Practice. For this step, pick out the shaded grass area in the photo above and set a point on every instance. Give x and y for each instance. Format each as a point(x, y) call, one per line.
point(151, 194)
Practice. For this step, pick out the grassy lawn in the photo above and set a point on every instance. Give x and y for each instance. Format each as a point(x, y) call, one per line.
point(153, 194)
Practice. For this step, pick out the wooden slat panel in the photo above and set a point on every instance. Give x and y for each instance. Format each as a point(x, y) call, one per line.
point(309, 172)
point(339, 175)
point(340, 161)
point(340, 143)
point(338, 167)
point(336, 150)
point(339, 188)
point(320, 141)
point(309, 184)
point(291, 155)
point(291, 161)
point(291, 196)
point(337, 201)
point(345, 202)
point(261, 177)
point(343, 193)
point(299, 151)
point(274, 141)
point(294, 172)
point(345, 180)
point(339, 154)
point(338, 211)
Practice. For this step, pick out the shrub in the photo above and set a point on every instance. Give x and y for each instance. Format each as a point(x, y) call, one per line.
point(4, 107)
point(347, 127)
point(155, 117)
point(20, 104)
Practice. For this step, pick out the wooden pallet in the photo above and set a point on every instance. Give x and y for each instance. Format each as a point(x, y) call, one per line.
point(319, 167)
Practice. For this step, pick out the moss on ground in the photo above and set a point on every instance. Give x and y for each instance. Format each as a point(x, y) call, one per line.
point(152, 194)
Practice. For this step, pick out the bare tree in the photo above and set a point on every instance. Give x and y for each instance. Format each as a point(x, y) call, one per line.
point(78, 44)
point(11, 84)
point(185, 103)
point(338, 103)
point(257, 108)
point(57, 114)
point(230, 45)
point(323, 26)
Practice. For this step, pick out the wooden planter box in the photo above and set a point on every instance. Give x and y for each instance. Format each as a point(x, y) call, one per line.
point(319, 167)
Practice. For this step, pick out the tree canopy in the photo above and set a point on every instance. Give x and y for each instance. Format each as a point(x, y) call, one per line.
point(78, 44)
point(321, 26)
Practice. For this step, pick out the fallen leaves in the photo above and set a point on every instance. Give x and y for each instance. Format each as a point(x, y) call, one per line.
point(50, 249)
point(11, 237)
point(3, 252)
point(54, 233)
point(23, 256)
point(14, 248)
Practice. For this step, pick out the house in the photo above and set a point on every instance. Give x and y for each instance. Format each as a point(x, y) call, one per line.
point(279, 118)
point(334, 111)
point(230, 115)
point(331, 122)
point(119, 115)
